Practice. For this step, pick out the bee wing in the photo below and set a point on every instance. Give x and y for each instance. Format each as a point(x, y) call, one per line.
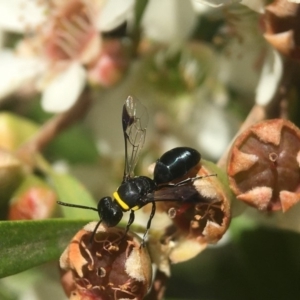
point(185, 193)
point(134, 123)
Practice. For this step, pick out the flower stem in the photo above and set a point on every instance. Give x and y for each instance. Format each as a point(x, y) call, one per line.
point(53, 127)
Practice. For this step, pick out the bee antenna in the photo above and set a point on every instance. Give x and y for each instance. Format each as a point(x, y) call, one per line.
point(75, 205)
point(84, 207)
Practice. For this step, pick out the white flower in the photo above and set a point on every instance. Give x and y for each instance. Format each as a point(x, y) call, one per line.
point(17, 71)
point(17, 15)
point(64, 39)
point(73, 77)
point(256, 5)
point(240, 62)
point(169, 21)
point(269, 78)
point(217, 3)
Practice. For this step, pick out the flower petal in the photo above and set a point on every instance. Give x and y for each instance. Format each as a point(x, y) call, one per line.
point(16, 71)
point(169, 21)
point(20, 15)
point(114, 13)
point(216, 3)
point(215, 133)
point(270, 76)
point(64, 89)
point(2, 38)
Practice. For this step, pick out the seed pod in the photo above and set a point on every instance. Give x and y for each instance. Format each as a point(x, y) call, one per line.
point(263, 165)
point(281, 22)
point(203, 221)
point(112, 266)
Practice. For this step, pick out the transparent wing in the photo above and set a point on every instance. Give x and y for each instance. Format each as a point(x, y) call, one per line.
point(184, 194)
point(134, 122)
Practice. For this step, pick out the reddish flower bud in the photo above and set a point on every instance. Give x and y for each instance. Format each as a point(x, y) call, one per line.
point(263, 165)
point(112, 266)
point(33, 200)
point(109, 67)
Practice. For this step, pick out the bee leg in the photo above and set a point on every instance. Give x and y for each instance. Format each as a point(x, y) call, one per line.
point(94, 232)
point(130, 221)
point(149, 223)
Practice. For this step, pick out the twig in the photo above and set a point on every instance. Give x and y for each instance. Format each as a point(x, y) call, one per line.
point(54, 127)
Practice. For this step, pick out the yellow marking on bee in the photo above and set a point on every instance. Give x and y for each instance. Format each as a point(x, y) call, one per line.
point(120, 201)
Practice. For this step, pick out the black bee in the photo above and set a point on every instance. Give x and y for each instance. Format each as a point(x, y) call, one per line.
point(137, 191)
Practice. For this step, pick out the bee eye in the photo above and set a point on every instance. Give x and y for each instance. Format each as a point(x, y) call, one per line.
point(109, 212)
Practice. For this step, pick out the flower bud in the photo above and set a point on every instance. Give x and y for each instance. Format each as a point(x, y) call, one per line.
point(112, 266)
point(11, 174)
point(15, 130)
point(263, 165)
point(33, 200)
point(281, 22)
point(109, 67)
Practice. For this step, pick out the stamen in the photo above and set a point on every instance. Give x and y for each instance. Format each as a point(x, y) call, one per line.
point(68, 37)
point(70, 27)
point(66, 47)
point(88, 11)
point(82, 22)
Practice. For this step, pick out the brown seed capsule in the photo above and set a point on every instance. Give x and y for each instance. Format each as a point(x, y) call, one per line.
point(202, 221)
point(281, 22)
point(263, 165)
point(110, 267)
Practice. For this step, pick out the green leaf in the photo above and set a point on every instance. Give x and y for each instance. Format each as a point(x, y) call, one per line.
point(26, 244)
point(140, 7)
point(70, 190)
point(74, 145)
point(270, 260)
